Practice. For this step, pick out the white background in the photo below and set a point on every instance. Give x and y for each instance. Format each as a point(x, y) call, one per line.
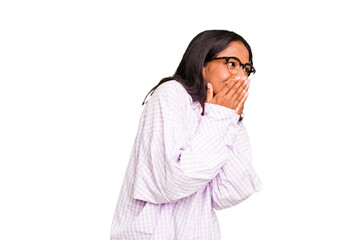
point(73, 77)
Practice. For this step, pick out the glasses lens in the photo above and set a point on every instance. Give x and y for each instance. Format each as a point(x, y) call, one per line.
point(247, 69)
point(233, 65)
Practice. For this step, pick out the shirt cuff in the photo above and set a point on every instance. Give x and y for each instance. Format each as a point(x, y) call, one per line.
point(221, 113)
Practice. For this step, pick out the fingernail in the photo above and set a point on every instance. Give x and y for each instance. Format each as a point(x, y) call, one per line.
point(244, 78)
point(237, 78)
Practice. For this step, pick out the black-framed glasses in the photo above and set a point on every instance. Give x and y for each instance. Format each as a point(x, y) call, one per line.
point(234, 65)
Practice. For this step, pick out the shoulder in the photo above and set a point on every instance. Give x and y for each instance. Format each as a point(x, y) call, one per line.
point(172, 87)
point(171, 91)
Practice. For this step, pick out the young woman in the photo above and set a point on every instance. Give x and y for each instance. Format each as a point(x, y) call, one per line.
point(192, 153)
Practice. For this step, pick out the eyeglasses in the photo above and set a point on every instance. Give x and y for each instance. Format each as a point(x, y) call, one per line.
point(234, 65)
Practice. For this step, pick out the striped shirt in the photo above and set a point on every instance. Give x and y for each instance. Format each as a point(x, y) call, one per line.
point(183, 165)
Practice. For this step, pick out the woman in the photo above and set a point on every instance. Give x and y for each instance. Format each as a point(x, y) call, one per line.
point(192, 153)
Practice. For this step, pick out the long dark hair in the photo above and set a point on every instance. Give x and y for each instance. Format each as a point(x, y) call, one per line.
point(201, 49)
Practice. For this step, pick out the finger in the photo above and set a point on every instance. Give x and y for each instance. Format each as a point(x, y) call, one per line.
point(209, 93)
point(226, 88)
point(241, 110)
point(241, 104)
point(236, 90)
point(242, 90)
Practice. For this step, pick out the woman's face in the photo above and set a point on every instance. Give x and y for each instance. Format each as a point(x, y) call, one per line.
point(216, 72)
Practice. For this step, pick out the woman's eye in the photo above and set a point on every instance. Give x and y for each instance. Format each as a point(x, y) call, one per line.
point(247, 69)
point(232, 64)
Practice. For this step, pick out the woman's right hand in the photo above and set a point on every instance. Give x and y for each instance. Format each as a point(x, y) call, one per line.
point(233, 95)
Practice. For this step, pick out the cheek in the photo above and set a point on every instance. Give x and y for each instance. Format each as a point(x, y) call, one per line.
point(218, 77)
point(226, 75)
point(221, 79)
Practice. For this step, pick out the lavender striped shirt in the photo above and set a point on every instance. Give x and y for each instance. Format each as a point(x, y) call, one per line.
point(183, 165)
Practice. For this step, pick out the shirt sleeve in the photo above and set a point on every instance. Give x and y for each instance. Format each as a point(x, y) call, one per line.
point(237, 179)
point(171, 165)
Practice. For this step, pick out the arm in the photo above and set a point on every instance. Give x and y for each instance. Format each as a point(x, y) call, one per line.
point(237, 179)
point(169, 164)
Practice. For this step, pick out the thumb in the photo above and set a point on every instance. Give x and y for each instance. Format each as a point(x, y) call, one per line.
point(209, 92)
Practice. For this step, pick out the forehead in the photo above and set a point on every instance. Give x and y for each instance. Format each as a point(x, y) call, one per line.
point(236, 49)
